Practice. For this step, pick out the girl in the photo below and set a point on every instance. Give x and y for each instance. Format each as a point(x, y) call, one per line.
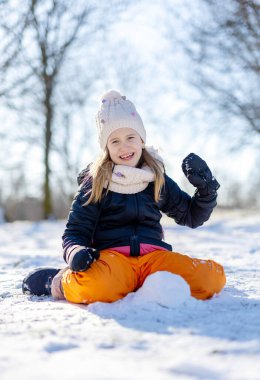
point(113, 238)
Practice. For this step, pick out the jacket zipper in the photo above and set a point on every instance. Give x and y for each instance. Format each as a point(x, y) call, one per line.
point(135, 246)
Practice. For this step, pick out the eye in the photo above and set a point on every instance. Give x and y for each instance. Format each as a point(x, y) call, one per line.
point(130, 137)
point(114, 142)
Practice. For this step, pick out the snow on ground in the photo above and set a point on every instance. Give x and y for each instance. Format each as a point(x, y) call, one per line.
point(159, 332)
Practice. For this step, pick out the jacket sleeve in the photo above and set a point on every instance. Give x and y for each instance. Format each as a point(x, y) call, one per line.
point(80, 225)
point(184, 209)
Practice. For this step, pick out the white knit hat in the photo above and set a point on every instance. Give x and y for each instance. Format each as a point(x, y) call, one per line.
point(117, 112)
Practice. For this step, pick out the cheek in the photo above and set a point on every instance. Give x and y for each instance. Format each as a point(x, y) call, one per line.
point(110, 150)
point(140, 149)
point(113, 153)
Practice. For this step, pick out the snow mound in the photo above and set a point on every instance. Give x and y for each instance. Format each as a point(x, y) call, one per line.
point(163, 288)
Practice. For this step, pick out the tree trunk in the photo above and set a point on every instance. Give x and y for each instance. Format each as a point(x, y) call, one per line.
point(47, 198)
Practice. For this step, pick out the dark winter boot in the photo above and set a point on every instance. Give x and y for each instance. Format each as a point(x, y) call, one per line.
point(39, 281)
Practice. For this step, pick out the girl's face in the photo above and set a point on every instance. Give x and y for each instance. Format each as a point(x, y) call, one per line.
point(125, 147)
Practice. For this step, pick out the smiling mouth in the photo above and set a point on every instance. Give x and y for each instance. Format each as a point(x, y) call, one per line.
point(127, 156)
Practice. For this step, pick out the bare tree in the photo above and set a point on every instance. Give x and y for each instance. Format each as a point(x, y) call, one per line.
point(41, 41)
point(52, 53)
point(224, 44)
point(11, 37)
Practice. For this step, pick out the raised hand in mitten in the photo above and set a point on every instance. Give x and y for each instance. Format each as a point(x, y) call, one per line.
point(199, 175)
point(82, 260)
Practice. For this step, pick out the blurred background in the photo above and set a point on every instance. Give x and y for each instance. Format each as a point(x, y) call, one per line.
point(192, 68)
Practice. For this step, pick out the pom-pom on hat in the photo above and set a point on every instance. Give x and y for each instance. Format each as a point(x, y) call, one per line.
point(117, 112)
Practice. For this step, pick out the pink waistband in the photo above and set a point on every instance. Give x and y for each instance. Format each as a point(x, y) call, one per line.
point(144, 249)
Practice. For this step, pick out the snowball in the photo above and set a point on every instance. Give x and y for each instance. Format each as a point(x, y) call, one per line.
point(163, 288)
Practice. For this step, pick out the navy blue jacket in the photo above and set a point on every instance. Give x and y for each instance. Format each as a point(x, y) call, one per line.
point(131, 219)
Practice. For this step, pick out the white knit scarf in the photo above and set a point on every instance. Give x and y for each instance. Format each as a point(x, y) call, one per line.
point(129, 180)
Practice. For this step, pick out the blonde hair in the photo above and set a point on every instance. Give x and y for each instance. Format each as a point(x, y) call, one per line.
point(101, 172)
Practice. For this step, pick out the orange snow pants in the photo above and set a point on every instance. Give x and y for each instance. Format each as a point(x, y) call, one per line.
point(114, 275)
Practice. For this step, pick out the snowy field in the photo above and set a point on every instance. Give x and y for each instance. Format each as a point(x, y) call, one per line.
point(159, 332)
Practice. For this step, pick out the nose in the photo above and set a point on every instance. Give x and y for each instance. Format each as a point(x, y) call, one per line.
point(124, 144)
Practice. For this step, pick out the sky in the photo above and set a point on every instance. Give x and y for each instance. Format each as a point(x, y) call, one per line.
point(162, 95)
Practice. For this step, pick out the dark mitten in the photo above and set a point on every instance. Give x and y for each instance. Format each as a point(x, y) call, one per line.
point(83, 259)
point(198, 173)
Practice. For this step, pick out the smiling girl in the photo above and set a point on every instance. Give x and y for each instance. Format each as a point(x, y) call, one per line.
point(113, 238)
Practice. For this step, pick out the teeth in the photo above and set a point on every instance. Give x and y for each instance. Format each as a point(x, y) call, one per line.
point(126, 155)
